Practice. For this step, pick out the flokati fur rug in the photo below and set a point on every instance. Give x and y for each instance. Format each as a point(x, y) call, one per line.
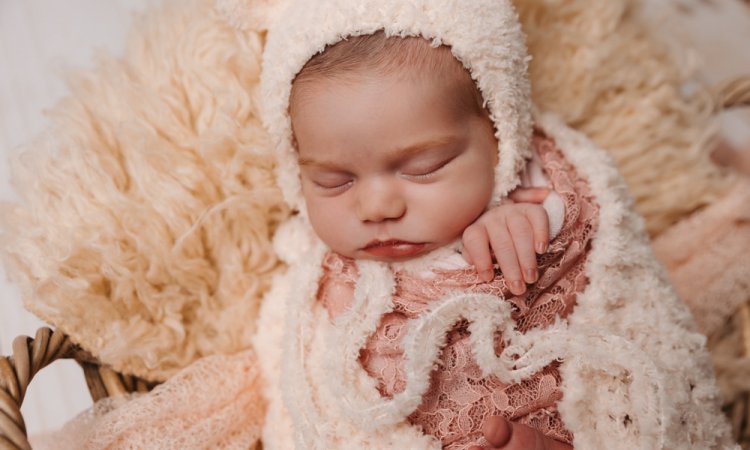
point(599, 66)
point(149, 205)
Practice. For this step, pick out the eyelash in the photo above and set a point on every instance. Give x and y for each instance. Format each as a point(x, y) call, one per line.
point(332, 188)
point(421, 176)
point(426, 175)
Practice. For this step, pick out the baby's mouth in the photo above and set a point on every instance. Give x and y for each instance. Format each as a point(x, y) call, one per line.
point(394, 248)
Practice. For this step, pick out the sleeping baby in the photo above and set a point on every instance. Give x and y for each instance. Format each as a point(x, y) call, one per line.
point(457, 270)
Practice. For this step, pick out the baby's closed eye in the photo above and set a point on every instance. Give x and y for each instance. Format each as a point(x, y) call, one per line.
point(426, 166)
point(329, 179)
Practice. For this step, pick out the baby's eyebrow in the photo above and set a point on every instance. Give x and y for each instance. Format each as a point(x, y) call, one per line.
point(420, 147)
point(398, 154)
point(328, 165)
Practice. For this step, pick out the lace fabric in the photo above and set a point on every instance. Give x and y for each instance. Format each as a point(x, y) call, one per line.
point(215, 403)
point(460, 398)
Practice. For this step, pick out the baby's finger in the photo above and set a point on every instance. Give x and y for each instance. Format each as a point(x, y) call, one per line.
point(539, 220)
point(521, 437)
point(497, 431)
point(477, 251)
point(522, 235)
point(505, 253)
point(529, 195)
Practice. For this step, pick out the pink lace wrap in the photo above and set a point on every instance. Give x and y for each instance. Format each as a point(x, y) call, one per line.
point(460, 398)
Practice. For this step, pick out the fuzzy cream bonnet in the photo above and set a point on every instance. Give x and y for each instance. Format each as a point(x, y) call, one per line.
point(491, 47)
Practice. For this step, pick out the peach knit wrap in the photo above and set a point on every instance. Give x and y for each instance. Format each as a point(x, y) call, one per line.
point(459, 397)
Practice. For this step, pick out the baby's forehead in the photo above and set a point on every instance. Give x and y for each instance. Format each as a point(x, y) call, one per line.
point(377, 56)
point(379, 52)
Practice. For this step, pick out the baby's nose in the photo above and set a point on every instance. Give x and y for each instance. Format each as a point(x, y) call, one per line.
point(379, 200)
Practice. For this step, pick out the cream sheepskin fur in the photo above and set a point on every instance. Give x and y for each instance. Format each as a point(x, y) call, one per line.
point(603, 70)
point(635, 371)
point(149, 205)
point(150, 272)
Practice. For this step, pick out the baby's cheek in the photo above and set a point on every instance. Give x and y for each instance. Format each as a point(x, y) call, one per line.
point(473, 199)
point(455, 209)
point(321, 221)
point(333, 226)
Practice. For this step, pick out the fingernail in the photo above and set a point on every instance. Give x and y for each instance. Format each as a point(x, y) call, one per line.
point(541, 247)
point(517, 286)
point(487, 275)
point(531, 275)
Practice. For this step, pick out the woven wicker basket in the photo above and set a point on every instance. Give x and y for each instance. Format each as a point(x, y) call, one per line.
point(31, 355)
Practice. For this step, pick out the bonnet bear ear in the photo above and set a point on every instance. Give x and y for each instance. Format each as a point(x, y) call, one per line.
point(250, 15)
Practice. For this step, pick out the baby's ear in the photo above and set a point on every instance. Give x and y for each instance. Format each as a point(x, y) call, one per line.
point(250, 15)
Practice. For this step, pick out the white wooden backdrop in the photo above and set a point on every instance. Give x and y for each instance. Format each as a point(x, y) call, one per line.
point(39, 39)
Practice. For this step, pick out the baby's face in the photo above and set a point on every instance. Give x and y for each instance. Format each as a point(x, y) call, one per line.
point(391, 167)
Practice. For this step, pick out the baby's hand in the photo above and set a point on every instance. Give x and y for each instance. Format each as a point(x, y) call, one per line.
point(516, 231)
point(504, 435)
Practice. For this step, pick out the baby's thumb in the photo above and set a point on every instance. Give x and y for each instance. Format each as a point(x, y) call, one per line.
point(505, 435)
point(529, 195)
point(497, 431)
